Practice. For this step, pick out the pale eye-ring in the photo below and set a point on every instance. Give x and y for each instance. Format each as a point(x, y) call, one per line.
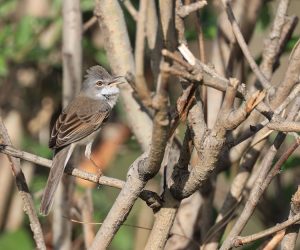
point(99, 83)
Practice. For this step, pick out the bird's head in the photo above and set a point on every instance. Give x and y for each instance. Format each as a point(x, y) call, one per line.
point(99, 84)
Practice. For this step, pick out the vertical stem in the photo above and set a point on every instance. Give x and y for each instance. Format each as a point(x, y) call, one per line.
point(119, 53)
point(72, 68)
point(141, 83)
point(255, 194)
point(71, 49)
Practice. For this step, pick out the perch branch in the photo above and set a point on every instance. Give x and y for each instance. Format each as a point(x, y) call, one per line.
point(151, 198)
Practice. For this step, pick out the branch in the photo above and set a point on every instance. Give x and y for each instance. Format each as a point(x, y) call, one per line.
point(164, 218)
point(141, 84)
point(246, 165)
point(72, 51)
point(144, 168)
point(255, 193)
point(214, 80)
point(272, 43)
point(88, 24)
point(111, 20)
point(263, 180)
point(210, 77)
point(254, 129)
point(276, 239)
point(131, 9)
point(236, 117)
point(151, 198)
point(72, 79)
point(87, 212)
point(237, 32)
point(230, 118)
point(185, 10)
point(290, 238)
point(291, 77)
point(286, 35)
point(24, 192)
point(285, 126)
point(240, 241)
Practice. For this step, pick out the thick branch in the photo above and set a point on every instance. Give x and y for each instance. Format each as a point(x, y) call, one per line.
point(144, 168)
point(117, 45)
point(285, 126)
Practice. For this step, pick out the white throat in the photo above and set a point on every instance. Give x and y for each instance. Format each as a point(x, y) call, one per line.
point(111, 95)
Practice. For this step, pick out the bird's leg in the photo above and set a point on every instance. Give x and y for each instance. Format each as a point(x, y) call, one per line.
point(88, 150)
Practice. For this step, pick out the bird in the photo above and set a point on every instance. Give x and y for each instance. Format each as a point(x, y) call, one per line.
point(79, 123)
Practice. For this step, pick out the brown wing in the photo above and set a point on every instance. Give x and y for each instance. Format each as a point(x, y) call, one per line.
point(79, 119)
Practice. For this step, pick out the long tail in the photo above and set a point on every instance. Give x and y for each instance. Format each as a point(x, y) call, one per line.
point(59, 163)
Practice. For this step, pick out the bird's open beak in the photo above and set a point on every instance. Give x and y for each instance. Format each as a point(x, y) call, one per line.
point(117, 80)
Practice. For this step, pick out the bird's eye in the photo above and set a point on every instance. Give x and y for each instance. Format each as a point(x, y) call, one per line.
point(99, 83)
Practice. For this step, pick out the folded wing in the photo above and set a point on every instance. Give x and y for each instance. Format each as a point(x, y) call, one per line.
point(78, 121)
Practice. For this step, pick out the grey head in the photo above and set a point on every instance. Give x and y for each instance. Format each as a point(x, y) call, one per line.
point(100, 85)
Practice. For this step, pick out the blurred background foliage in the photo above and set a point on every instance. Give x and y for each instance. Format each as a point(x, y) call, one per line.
point(30, 83)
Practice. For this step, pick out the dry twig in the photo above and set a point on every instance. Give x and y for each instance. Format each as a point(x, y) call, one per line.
point(24, 192)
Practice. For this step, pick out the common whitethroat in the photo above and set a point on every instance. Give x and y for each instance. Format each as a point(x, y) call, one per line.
point(79, 123)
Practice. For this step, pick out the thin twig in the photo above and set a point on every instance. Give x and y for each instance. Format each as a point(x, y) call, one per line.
point(275, 240)
point(24, 192)
point(272, 43)
point(255, 194)
point(88, 24)
point(87, 211)
point(131, 9)
point(151, 198)
point(239, 241)
point(262, 181)
point(290, 238)
point(237, 32)
point(140, 80)
point(185, 10)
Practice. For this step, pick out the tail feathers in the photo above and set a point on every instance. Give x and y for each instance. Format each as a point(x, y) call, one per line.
point(58, 165)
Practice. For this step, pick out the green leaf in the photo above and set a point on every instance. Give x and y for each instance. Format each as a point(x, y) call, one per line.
point(101, 58)
point(24, 32)
point(291, 43)
point(209, 22)
point(123, 239)
point(7, 7)
point(190, 34)
point(87, 5)
point(291, 162)
point(20, 239)
point(264, 17)
point(3, 66)
point(36, 148)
